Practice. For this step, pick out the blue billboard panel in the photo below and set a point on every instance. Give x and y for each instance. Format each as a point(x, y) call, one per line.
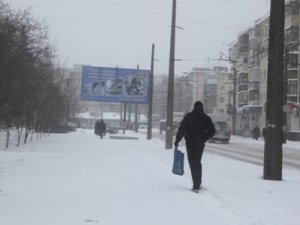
point(105, 84)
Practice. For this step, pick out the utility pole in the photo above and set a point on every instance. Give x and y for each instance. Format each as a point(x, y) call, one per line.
point(150, 96)
point(234, 100)
point(136, 125)
point(170, 98)
point(274, 112)
point(234, 90)
point(124, 112)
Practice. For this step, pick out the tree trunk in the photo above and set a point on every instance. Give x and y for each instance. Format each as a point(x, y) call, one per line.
point(27, 132)
point(19, 132)
point(31, 138)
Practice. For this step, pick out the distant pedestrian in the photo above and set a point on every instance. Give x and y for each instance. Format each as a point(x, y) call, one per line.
point(256, 132)
point(96, 127)
point(101, 129)
point(160, 128)
point(196, 127)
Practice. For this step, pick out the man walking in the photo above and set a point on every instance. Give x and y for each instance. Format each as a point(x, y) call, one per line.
point(101, 128)
point(196, 127)
point(256, 132)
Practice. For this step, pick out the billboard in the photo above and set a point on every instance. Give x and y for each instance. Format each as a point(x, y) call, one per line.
point(105, 84)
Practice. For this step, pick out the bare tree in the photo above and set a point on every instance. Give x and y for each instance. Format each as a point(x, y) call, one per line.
point(30, 90)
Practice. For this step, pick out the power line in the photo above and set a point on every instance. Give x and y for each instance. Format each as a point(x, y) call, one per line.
point(72, 4)
point(205, 37)
point(109, 25)
point(126, 5)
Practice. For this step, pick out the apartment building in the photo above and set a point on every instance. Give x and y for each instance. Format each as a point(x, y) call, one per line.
point(214, 88)
point(250, 56)
point(292, 74)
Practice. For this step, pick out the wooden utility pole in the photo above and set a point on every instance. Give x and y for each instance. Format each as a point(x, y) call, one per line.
point(150, 96)
point(136, 111)
point(125, 112)
point(234, 100)
point(170, 98)
point(274, 111)
point(234, 91)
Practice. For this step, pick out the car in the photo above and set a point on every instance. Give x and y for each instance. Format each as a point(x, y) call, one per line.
point(112, 130)
point(163, 126)
point(222, 134)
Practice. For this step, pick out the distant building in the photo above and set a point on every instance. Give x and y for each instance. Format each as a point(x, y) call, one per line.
point(213, 87)
point(250, 54)
point(250, 51)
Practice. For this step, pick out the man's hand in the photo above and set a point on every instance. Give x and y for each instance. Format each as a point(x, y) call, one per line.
point(176, 144)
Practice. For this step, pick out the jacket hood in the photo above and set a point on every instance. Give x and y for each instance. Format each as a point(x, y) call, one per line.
point(198, 107)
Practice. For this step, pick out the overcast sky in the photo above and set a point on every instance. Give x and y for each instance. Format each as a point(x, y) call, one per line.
point(120, 32)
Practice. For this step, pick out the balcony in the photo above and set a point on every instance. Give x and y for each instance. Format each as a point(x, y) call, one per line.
point(243, 78)
point(243, 87)
point(292, 67)
point(292, 74)
point(244, 48)
point(242, 98)
point(243, 68)
point(253, 97)
point(253, 74)
point(292, 60)
point(253, 86)
point(254, 102)
point(291, 98)
point(292, 20)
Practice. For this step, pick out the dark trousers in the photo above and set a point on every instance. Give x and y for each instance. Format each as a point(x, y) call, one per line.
point(194, 153)
point(101, 134)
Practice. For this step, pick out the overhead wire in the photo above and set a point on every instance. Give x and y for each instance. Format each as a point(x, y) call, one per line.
point(122, 4)
point(135, 8)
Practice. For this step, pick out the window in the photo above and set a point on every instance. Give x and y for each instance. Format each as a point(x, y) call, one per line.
point(292, 61)
point(292, 34)
point(292, 87)
point(292, 9)
point(266, 32)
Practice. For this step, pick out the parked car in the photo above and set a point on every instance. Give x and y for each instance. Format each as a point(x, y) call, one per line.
point(222, 134)
point(112, 130)
point(163, 126)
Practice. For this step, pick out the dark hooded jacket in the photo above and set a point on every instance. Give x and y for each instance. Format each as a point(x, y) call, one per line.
point(102, 127)
point(196, 126)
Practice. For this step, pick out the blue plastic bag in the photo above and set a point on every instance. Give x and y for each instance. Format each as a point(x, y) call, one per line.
point(178, 163)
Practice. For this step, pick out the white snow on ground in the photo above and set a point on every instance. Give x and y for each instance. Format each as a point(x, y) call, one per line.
point(77, 178)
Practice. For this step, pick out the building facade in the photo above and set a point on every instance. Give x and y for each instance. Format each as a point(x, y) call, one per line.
point(249, 54)
point(213, 87)
point(292, 74)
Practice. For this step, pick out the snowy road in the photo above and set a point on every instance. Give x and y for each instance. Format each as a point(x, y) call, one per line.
point(77, 178)
point(253, 153)
point(248, 150)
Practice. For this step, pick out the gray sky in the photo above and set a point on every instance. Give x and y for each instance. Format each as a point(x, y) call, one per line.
point(120, 32)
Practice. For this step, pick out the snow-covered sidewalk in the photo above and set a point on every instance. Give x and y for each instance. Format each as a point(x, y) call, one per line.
point(77, 178)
